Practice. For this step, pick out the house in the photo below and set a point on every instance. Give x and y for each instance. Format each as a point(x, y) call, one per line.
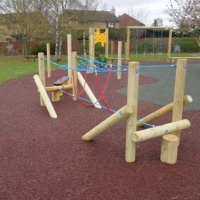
point(91, 18)
point(126, 20)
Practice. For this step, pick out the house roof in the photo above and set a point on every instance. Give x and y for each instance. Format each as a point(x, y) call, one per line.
point(91, 16)
point(126, 20)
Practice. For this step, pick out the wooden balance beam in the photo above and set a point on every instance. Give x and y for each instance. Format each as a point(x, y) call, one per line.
point(55, 90)
point(163, 111)
point(150, 133)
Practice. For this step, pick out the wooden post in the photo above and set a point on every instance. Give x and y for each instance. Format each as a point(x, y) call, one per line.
point(127, 43)
point(74, 75)
point(119, 74)
point(88, 91)
point(55, 96)
point(107, 43)
point(91, 46)
point(115, 118)
point(111, 49)
point(59, 87)
point(169, 44)
point(49, 70)
point(169, 149)
point(150, 133)
point(179, 92)
point(41, 73)
point(163, 111)
point(69, 57)
point(132, 101)
point(45, 97)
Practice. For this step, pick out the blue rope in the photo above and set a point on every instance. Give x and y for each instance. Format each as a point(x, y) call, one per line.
point(112, 110)
point(146, 124)
point(84, 68)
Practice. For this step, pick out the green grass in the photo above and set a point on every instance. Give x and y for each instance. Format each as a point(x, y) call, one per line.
point(15, 66)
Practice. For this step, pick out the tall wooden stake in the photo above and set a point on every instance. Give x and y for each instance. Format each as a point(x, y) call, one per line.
point(179, 92)
point(107, 43)
point(69, 57)
point(74, 75)
point(41, 73)
point(91, 46)
point(119, 74)
point(132, 101)
point(127, 43)
point(48, 61)
point(169, 44)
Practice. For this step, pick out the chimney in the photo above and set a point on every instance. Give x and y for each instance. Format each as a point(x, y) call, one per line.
point(113, 10)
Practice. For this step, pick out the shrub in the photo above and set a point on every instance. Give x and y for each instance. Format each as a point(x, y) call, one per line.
point(42, 48)
point(187, 44)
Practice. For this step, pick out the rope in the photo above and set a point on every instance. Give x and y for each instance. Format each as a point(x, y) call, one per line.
point(101, 92)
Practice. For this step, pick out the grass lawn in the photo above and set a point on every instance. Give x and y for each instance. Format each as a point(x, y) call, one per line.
point(15, 66)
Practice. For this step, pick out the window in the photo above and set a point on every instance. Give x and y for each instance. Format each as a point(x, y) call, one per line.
point(74, 23)
point(110, 25)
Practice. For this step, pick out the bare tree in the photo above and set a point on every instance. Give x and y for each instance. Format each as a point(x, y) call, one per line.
point(87, 5)
point(158, 22)
point(57, 18)
point(54, 13)
point(140, 14)
point(20, 16)
point(185, 14)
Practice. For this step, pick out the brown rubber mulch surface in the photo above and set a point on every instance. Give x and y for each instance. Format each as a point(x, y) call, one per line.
point(45, 158)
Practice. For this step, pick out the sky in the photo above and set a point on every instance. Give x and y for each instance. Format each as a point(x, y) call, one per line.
point(154, 8)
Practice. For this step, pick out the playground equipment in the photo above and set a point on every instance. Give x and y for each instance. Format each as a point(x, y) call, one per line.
point(103, 39)
point(63, 83)
point(170, 142)
point(169, 56)
point(137, 28)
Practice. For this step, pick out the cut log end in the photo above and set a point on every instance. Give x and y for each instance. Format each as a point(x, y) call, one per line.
point(169, 149)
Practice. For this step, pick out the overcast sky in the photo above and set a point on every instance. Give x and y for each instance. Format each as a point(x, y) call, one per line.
point(154, 8)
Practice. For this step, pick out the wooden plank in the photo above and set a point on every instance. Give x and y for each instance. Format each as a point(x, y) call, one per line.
point(149, 27)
